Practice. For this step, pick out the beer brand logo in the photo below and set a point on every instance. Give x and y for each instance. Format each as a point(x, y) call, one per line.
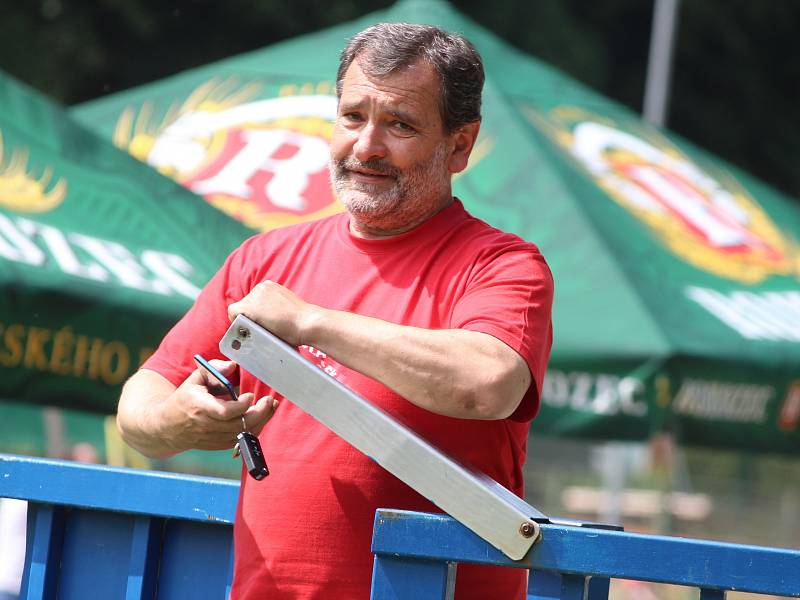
point(21, 190)
point(262, 162)
point(709, 221)
point(789, 416)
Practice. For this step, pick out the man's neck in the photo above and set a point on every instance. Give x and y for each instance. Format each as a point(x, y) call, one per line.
point(392, 226)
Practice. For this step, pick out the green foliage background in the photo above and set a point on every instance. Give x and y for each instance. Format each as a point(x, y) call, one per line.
point(735, 72)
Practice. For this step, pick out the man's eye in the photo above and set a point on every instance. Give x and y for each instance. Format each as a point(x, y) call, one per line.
point(405, 127)
point(351, 116)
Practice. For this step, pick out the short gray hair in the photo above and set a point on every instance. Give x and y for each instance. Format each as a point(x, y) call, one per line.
point(389, 47)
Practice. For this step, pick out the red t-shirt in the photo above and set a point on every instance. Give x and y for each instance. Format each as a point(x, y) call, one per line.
point(305, 531)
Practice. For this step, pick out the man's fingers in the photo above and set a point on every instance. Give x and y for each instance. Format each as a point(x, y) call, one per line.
point(260, 413)
point(212, 420)
point(222, 408)
point(226, 367)
point(229, 414)
point(237, 308)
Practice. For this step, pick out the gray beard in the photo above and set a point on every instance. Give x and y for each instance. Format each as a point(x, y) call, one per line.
point(421, 186)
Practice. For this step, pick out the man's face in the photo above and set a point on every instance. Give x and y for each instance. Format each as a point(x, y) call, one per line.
point(389, 152)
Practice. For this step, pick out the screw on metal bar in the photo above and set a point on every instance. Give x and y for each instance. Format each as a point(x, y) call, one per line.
point(243, 333)
point(529, 529)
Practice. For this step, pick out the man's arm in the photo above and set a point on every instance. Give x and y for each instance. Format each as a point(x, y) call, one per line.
point(160, 420)
point(453, 372)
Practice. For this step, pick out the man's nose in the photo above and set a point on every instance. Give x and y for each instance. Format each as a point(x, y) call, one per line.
point(369, 144)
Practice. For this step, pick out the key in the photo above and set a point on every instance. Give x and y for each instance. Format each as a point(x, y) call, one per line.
point(236, 451)
point(252, 455)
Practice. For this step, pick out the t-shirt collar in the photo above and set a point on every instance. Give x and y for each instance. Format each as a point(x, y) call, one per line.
point(437, 225)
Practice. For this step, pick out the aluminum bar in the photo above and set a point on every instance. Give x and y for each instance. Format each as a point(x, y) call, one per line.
point(491, 511)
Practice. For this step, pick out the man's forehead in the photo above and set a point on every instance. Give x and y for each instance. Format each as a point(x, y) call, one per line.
point(413, 87)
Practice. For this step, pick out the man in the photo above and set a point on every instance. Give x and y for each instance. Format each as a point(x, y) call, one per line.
point(434, 316)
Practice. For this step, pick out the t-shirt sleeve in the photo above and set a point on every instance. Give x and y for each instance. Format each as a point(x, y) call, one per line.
point(201, 328)
point(510, 297)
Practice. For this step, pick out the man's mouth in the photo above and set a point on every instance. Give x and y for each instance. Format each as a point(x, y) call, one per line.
point(366, 172)
point(367, 175)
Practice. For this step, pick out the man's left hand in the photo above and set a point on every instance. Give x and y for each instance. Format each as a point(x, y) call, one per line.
point(277, 309)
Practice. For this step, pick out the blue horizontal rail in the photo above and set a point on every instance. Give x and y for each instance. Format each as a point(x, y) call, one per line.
point(599, 553)
point(118, 489)
point(102, 532)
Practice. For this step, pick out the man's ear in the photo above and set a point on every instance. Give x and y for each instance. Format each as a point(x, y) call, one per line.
point(463, 142)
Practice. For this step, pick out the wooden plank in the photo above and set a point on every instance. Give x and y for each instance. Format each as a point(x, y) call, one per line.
point(487, 508)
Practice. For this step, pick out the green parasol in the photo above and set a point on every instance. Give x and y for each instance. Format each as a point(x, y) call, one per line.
point(99, 256)
point(677, 276)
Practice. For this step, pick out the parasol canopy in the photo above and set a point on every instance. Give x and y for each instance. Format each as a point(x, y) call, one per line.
point(677, 275)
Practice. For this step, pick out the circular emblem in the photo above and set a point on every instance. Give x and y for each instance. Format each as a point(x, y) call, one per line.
point(710, 222)
point(262, 162)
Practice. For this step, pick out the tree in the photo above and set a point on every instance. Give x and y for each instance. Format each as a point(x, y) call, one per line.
point(732, 75)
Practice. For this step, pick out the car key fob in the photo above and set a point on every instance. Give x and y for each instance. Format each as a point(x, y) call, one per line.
point(252, 455)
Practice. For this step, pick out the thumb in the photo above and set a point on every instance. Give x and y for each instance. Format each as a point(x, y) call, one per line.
point(226, 367)
point(204, 376)
point(258, 414)
point(234, 310)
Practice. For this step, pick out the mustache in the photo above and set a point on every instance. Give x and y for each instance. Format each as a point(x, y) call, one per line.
point(376, 165)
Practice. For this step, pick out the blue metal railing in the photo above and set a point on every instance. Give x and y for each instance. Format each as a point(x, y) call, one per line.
point(102, 532)
point(568, 556)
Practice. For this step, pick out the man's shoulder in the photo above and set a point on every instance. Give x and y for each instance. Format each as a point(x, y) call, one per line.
point(488, 249)
point(481, 234)
point(258, 252)
point(293, 233)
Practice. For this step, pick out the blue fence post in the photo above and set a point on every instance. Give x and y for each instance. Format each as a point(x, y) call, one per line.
point(229, 577)
point(598, 588)
point(573, 587)
point(396, 578)
point(544, 585)
point(549, 585)
point(145, 546)
point(45, 538)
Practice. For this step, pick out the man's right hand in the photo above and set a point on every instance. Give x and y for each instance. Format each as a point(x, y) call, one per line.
point(161, 420)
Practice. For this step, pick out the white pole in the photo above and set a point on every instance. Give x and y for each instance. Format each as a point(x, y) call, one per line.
point(54, 432)
point(659, 64)
point(614, 471)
